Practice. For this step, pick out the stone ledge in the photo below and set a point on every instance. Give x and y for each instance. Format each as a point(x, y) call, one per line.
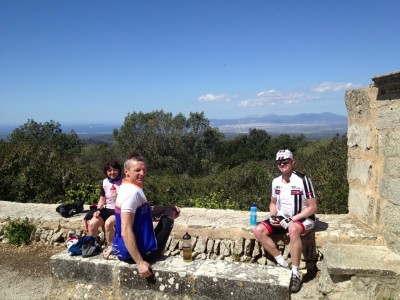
point(366, 261)
point(354, 272)
point(210, 223)
point(95, 277)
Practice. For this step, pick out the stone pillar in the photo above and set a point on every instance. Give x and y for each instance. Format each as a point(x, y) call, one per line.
point(374, 156)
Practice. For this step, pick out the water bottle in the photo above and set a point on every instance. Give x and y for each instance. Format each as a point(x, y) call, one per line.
point(253, 214)
point(113, 192)
point(187, 247)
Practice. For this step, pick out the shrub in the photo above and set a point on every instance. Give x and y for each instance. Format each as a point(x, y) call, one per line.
point(83, 192)
point(19, 231)
point(214, 200)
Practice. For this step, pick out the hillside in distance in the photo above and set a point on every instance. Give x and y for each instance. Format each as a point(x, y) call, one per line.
point(312, 125)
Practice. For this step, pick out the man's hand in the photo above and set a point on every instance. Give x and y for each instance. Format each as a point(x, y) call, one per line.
point(285, 223)
point(144, 269)
point(178, 211)
point(274, 220)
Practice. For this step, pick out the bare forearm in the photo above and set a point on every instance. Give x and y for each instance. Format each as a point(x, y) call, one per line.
point(272, 209)
point(131, 246)
point(102, 202)
point(308, 211)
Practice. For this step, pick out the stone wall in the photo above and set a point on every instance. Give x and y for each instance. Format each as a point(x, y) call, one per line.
point(374, 156)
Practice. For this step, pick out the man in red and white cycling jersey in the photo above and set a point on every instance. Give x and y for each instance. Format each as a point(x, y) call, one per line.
point(292, 209)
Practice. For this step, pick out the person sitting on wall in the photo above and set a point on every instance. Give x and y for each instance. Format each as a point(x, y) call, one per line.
point(292, 209)
point(104, 215)
point(136, 240)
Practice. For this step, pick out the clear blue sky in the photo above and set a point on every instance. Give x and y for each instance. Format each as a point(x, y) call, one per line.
point(96, 61)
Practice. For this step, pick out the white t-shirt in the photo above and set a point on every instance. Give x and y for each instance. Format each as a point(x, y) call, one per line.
point(291, 197)
point(130, 197)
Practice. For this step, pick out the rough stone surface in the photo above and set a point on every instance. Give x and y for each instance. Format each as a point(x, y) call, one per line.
point(173, 278)
point(358, 136)
point(389, 142)
point(374, 155)
point(359, 170)
point(358, 106)
point(389, 189)
point(345, 264)
point(359, 204)
point(388, 115)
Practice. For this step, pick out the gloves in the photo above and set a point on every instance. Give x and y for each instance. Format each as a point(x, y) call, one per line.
point(274, 220)
point(285, 223)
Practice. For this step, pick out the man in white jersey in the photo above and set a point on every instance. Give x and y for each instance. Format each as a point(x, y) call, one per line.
point(292, 209)
point(135, 240)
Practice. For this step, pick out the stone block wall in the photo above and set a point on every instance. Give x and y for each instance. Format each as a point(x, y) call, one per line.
point(374, 156)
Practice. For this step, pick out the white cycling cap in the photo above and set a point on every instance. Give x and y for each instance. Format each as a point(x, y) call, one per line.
point(284, 154)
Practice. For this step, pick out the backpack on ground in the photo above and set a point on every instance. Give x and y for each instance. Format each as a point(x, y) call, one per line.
point(86, 246)
point(91, 247)
point(72, 240)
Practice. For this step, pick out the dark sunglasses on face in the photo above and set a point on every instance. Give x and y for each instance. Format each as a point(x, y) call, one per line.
point(284, 162)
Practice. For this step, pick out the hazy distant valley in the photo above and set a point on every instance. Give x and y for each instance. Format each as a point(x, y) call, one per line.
point(313, 126)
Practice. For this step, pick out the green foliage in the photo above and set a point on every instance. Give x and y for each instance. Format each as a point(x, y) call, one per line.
point(171, 144)
point(327, 167)
point(83, 192)
point(214, 200)
point(39, 161)
point(189, 163)
point(19, 231)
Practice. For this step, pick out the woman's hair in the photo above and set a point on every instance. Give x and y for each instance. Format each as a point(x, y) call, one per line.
point(112, 165)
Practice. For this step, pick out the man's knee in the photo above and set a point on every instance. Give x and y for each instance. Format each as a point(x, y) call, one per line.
point(260, 231)
point(295, 230)
point(171, 212)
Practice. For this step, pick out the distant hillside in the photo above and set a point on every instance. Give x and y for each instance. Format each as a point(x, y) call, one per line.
point(313, 126)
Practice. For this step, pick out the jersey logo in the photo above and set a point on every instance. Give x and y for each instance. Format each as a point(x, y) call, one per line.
point(297, 191)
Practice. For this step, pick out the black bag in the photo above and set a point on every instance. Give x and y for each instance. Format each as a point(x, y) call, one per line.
point(91, 246)
point(68, 210)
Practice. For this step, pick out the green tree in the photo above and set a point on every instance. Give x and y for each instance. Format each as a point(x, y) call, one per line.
point(39, 161)
point(171, 145)
point(326, 164)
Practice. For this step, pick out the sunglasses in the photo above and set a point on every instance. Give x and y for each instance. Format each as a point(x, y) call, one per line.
point(283, 162)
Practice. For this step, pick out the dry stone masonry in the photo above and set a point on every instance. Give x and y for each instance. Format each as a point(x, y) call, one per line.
point(374, 156)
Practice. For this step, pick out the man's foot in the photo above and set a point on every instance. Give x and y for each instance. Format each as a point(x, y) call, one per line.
point(282, 263)
point(107, 252)
point(295, 283)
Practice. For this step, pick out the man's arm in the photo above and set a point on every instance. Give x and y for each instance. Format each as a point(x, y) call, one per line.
point(272, 207)
point(128, 236)
point(308, 211)
point(273, 212)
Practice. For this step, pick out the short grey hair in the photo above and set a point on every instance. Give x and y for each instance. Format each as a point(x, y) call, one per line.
point(131, 158)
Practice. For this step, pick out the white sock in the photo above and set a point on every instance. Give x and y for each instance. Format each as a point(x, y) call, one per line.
point(281, 261)
point(295, 271)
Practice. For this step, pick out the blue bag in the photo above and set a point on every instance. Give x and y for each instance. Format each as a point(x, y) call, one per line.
point(76, 249)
